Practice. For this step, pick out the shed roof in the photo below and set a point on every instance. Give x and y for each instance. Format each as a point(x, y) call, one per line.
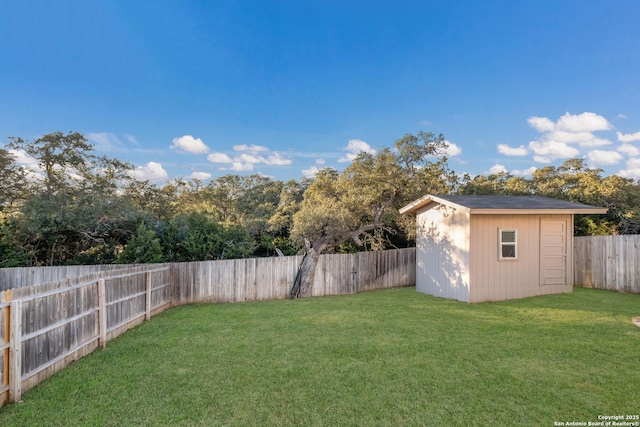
point(504, 205)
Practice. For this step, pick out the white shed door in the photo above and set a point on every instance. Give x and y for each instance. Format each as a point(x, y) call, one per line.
point(553, 252)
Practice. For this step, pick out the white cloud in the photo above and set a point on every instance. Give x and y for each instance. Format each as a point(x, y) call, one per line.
point(541, 124)
point(633, 169)
point(576, 136)
point(190, 144)
point(585, 122)
point(594, 142)
point(497, 168)
point(548, 151)
point(241, 167)
point(452, 149)
point(604, 158)
point(132, 139)
point(276, 159)
point(219, 158)
point(524, 172)
point(311, 172)
point(355, 147)
point(106, 141)
point(250, 148)
point(23, 159)
point(510, 151)
point(28, 164)
point(248, 155)
point(248, 158)
point(320, 162)
point(201, 175)
point(583, 139)
point(629, 137)
point(556, 138)
point(629, 150)
point(152, 172)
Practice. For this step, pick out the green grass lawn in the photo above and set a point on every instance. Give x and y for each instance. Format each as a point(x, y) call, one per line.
point(393, 357)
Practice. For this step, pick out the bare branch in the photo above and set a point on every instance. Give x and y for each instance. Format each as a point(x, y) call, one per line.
point(377, 223)
point(95, 239)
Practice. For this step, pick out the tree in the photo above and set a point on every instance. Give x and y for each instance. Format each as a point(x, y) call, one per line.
point(160, 203)
point(358, 203)
point(247, 202)
point(12, 181)
point(281, 221)
point(144, 247)
point(74, 211)
point(63, 158)
point(502, 183)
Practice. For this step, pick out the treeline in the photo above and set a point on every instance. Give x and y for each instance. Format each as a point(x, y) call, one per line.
point(76, 207)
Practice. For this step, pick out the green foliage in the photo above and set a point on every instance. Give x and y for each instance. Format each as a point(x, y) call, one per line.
point(11, 253)
point(203, 239)
point(171, 237)
point(58, 228)
point(502, 183)
point(199, 237)
point(238, 243)
point(160, 203)
point(143, 247)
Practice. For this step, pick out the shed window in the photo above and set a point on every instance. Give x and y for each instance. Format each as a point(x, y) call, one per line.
point(508, 241)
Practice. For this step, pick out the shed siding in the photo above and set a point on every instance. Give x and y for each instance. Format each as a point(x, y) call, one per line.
point(492, 279)
point(442, 258)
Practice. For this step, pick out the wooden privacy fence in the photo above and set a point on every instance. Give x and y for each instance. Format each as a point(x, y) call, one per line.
point(45, 327)
point(608, 262)
point(257, 279)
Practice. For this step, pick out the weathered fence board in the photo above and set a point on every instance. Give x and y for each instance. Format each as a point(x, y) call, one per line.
point(235, 280)
point(608, 262)
point(5, 298)
point(257, 279)
point(21, 277)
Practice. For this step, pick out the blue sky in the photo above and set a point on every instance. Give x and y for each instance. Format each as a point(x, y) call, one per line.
point(282, 88)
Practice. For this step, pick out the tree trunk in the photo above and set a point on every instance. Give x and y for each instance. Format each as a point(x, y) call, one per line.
point(303, 284)
point(308, 273)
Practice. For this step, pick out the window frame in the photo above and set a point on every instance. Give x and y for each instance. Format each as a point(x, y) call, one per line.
point(502, 243)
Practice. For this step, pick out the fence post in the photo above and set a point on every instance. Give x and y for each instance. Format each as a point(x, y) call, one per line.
point(102, 314)
point(147, 315)
point(172, 283)
point(15, 352)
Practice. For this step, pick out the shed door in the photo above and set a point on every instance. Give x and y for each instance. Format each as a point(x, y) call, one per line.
point(553, 252)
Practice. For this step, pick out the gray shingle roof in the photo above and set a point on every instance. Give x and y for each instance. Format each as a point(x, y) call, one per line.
point(513, 202)
point(504, 204)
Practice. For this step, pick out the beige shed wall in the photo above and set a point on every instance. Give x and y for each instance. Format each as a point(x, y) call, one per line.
point(442, 252)
point(492, 279)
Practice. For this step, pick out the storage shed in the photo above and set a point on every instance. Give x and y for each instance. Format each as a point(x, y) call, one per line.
point(491, 248)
